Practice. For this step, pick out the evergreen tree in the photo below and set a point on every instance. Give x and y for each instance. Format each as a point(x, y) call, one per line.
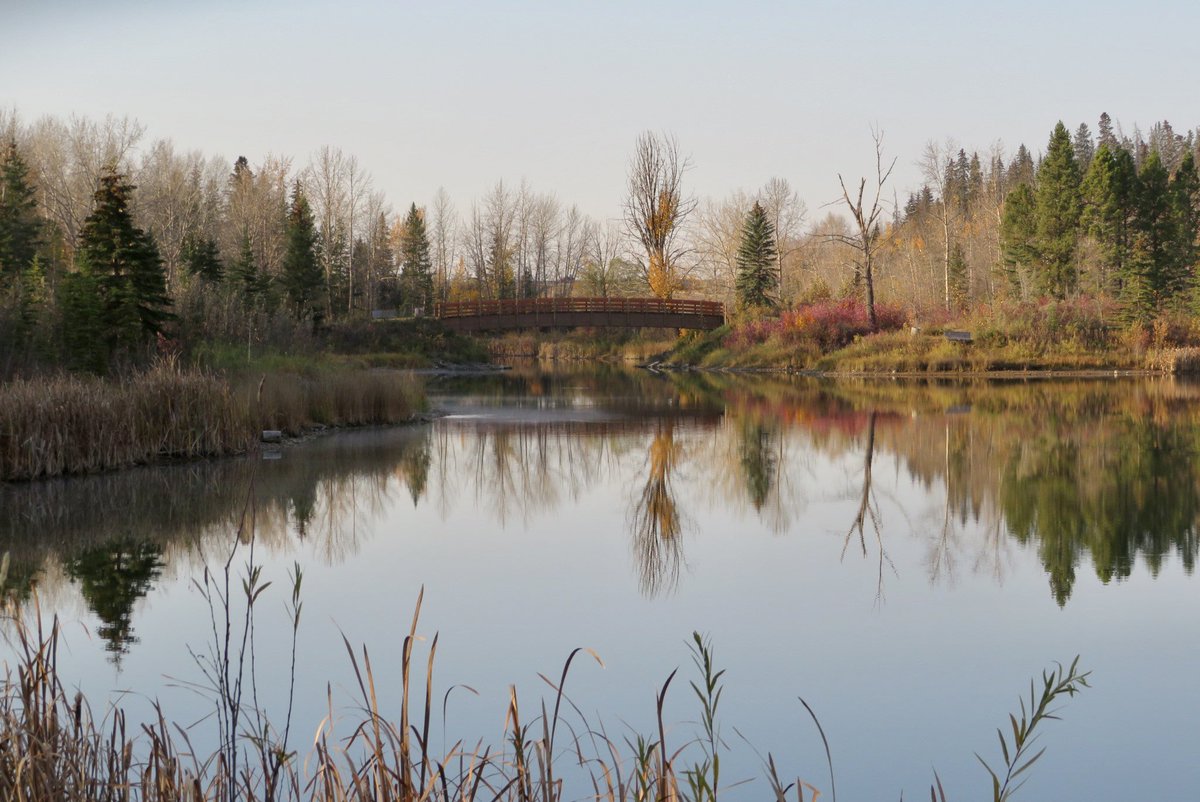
point(1018, 234)
point(202, 259)
point(1084, 148)
point(302, 278)
point(1185, 213)
point(1151, 281)
point(756, 278)
point(252, 283)
point(125, 264)
point(20, 226)
point(1020, 169)
point(82, 312)
point(1107, 137)
point(1107, 193)
point(416, 265)
point(1057, 215)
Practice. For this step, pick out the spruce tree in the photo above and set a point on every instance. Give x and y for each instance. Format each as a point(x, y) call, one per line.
point(1185, 211)
point(1018, 234)
point(125, 264)
point(416, 265)
point(1020, 169)
point(302, 278)
point(1057, 215)
point(1151, 282)
point(20, 226)
point(202, 259)
point(756, 278)
point(1085, 149)
point(1107, 193)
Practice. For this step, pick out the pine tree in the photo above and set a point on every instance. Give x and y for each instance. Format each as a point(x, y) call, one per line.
point(1107, 194)
point(302, 278)
point(1057, 215)
point(20, 226)
point(416, 265)
point(756, 278)
point(125, 264)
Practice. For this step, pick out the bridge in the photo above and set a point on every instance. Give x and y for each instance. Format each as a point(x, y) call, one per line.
point(566, 313)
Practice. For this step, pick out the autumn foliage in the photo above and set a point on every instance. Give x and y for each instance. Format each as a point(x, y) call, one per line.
point(828, 325)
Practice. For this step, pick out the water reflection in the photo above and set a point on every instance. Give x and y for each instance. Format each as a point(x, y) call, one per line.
point(1083, 472)
point(112, 578)
point(657, 517)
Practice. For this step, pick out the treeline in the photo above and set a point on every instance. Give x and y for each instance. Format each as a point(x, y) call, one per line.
point(110, 250)
point(1109, 215)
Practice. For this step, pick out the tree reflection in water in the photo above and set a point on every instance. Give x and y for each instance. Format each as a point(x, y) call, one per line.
point(657, 519)
point(1082, 472)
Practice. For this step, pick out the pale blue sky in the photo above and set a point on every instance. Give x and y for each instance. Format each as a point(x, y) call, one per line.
point(463, 93)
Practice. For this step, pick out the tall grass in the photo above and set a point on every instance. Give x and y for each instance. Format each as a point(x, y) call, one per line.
point(52, 747)
point(76, 424)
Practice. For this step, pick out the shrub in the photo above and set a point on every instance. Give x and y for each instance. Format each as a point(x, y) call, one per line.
point(827, 325)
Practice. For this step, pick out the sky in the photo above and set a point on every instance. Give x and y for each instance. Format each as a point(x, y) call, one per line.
point(456, 94)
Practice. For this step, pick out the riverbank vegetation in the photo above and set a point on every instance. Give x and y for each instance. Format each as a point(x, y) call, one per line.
point(616, 345)
point(113, 249)
point(80, 424)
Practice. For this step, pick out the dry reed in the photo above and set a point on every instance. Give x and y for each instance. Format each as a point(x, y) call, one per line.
point(73, 424)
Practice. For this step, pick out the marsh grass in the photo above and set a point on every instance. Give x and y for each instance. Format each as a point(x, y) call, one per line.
point(80, 424)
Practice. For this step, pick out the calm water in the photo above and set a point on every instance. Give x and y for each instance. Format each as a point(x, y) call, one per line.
point(905, 557)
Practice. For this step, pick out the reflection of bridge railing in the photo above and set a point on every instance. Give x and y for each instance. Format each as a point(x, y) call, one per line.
point(570, 312)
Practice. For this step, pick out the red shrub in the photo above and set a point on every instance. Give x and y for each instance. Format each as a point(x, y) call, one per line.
point(828, 325)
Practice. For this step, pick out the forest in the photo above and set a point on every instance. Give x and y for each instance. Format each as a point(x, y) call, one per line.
point(115, 247)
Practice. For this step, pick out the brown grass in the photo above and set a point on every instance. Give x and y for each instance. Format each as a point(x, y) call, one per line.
point(74, 424)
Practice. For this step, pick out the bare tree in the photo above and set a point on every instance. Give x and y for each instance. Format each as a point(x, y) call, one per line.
point(358, 195)
point(256, 204)
point(570, 246)
point(787, 212)
point(717, 234)
point(868, 238)
point(442, 234)
point(68, 158)
point(178, 196)
point(605, 242)
point(935, 167)
point(656, 208)
point(325, 185)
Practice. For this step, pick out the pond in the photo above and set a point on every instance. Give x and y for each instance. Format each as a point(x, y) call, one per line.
point(904, 556)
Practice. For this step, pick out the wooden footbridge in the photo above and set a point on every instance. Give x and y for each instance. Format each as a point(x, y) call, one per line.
point(566, 313)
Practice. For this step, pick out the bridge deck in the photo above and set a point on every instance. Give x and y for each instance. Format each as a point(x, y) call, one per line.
point(528, 313)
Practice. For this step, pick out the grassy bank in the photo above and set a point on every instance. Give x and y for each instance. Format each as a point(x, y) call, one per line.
point(399, 344)
point(586, 344)
point(73, 424)
point(836, 337)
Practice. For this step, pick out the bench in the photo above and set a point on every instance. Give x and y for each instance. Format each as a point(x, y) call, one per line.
point(958, 336)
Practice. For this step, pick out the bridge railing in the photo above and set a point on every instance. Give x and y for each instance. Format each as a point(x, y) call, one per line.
point(552, 306)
